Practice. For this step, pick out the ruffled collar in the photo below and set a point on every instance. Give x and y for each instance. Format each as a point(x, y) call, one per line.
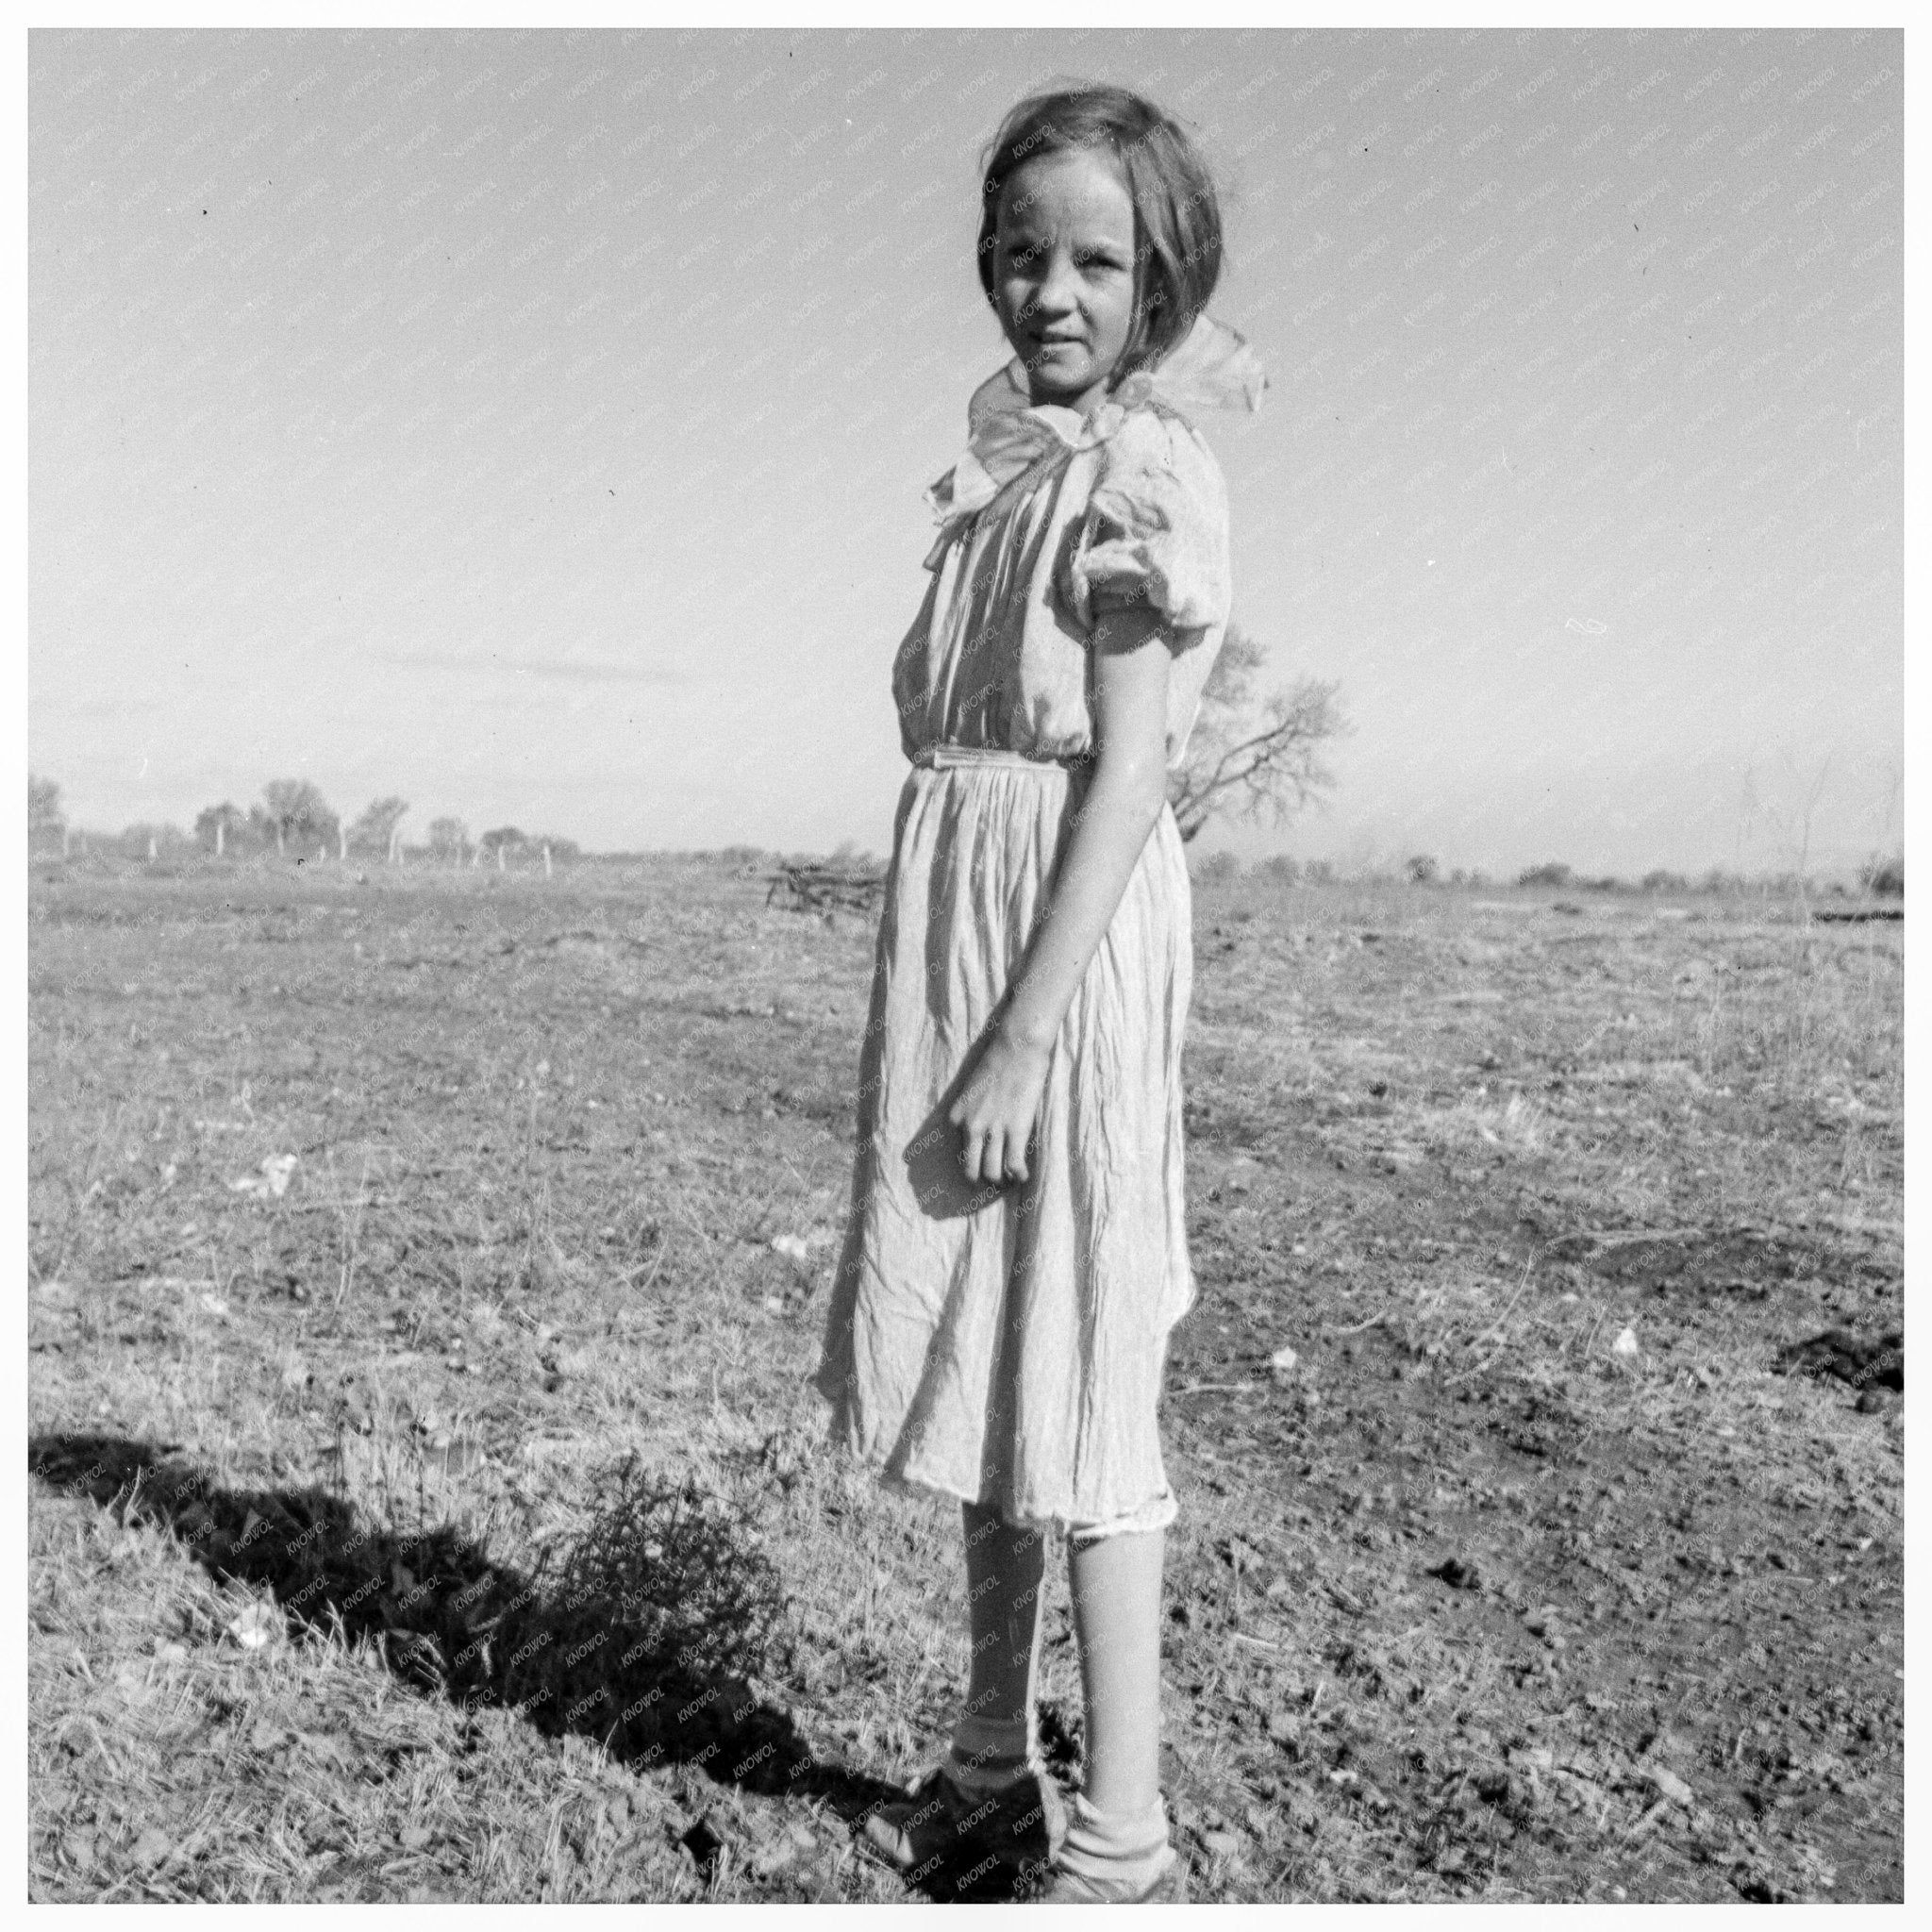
point(1210, 368)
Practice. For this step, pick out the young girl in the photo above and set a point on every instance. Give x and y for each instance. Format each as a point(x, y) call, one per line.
point(1016, 1251)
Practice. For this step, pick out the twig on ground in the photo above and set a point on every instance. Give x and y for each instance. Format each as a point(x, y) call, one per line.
point(1362, 1327)
point(1490, 1333)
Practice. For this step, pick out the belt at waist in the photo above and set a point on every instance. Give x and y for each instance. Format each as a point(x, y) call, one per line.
point(940, 757)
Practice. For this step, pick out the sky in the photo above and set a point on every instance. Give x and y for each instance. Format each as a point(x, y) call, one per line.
point(535, 424)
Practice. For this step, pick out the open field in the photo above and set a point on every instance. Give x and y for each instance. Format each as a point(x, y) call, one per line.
point(454, 1521)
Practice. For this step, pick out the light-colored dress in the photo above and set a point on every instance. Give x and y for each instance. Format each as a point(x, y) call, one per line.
point(1005, 1344)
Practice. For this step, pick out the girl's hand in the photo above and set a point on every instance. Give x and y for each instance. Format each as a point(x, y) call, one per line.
point(995, 1110)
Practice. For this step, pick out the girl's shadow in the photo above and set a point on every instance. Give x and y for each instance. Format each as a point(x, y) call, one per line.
point(641, 1636)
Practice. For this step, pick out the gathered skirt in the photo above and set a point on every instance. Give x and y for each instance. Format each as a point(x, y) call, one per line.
point(1005, 1345)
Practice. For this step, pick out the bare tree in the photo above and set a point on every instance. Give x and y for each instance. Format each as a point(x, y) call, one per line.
point(1250, 752)
point(500, 842)
point(150, 841)
point(380, 826)
point(218, 826)
point(449, 838)
point(295, 806)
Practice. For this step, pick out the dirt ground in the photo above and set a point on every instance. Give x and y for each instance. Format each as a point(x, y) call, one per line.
point(444, 1513)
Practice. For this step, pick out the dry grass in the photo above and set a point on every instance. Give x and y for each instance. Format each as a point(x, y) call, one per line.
point(500, 1410)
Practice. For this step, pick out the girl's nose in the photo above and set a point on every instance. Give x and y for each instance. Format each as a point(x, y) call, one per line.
point(1057, 289)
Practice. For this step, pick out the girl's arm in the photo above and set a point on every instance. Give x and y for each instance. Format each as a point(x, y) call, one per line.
point(996, 1107)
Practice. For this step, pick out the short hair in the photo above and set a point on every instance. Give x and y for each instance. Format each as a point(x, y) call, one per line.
point(1177, 216)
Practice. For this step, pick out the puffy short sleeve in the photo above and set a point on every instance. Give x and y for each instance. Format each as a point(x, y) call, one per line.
point(1154, 530)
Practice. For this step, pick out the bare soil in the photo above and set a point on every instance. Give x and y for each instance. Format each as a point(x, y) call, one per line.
point(457, 1521)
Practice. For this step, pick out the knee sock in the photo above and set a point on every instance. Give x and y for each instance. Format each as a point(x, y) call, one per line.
point(996, 1738)
point(988, 1754)
point(1128, 1849)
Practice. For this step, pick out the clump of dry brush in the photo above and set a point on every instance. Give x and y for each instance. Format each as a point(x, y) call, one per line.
point(653, 1622)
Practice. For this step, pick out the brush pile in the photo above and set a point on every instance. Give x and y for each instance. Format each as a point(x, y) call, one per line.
point(817, 886)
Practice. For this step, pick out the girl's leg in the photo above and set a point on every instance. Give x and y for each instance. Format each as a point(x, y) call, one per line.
point(1115, 1582)
point(1117, 1838)
point(990, 1796)
point(994, 1739)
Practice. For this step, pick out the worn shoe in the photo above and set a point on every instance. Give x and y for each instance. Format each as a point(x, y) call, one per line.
point(1169, 1885)
point(939, 1826)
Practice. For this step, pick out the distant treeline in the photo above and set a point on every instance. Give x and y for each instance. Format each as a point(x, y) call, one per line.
point(292, 820)
point(1885, 877)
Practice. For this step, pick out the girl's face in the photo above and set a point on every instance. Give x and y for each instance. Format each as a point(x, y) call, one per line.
point(1063, 276)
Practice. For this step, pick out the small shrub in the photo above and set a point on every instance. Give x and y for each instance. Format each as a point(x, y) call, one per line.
point(1219, 867)
point(1422, 869)
point(1283, 869)
point(1886, 877)
point(1659, 880)
point(1549, 874)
